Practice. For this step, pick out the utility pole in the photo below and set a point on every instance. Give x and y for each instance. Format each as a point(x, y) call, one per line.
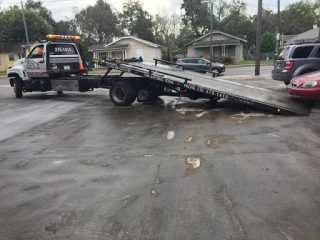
point(258, 40)
point(278, 28)
point(25, 25)
point(211, 24)
point(211, 27)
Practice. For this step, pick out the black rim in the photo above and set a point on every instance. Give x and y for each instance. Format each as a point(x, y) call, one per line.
point(118, 94)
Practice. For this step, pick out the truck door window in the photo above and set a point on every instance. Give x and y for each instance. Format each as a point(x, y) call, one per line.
point(37, 52)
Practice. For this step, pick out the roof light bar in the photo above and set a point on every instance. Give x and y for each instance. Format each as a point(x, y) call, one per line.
point(54, 36)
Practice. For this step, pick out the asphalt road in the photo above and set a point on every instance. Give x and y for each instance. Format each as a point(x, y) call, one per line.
point(250, 70)
point(77, 167)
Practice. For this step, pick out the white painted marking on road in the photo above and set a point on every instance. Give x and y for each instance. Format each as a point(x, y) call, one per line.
point(194, 162)
point(201, 114)
point(4, 86)
point(273, 135)
point(58, 162)
point(184, 110)
point(243, 116)
point(170, 135)
point(149, 155)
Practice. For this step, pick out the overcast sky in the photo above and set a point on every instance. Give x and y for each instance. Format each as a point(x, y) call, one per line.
point(62, 9)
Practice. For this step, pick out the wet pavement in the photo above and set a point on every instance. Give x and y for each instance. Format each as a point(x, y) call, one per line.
point(77, 167)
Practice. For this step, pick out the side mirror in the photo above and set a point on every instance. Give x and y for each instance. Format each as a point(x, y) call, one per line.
point(208, 63)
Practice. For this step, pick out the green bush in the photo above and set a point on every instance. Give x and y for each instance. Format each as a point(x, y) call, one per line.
point(224, 60)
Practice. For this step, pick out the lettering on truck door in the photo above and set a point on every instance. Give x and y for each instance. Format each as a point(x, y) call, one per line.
point(35, 62)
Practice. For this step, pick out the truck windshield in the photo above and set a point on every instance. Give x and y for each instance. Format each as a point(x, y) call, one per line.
point(62, 49)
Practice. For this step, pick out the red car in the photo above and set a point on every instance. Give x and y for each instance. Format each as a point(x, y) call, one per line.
point(306, 86)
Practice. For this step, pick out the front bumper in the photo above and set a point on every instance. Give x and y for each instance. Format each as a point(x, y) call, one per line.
point(222, 69)
point(306, 93)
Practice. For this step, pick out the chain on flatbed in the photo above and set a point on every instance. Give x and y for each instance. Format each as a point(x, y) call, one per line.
point(242, 93)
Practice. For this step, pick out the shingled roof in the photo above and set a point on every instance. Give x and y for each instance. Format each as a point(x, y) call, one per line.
point(10, 48)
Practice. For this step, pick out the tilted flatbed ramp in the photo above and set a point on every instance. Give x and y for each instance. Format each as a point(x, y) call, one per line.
point(243, 93)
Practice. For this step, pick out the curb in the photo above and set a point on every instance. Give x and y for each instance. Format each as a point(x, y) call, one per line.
point(248, 65)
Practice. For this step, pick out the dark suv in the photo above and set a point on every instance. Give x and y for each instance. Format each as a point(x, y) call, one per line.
point(202, 64)
point(296, 60)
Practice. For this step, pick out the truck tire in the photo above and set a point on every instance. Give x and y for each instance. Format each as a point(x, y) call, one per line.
point(18, 87)
point(122, 93)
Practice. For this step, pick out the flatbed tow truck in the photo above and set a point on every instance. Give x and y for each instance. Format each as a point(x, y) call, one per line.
point(145, 82)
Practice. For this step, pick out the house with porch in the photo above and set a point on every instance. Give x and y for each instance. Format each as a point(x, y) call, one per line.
point(9, 53)
point(128, 47)
point(224, 45)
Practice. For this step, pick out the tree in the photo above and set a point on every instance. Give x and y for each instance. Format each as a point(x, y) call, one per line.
point(299, 17)
point(98, 23)
point(14, 28)
point(197, 16)
point(4, 30)
point(185, 36)
point(43, 12)
point(167, 24)
point(136, 21)
point(66, 28)
point(268, 42)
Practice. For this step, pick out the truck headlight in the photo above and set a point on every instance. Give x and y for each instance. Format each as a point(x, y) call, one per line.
point(309, 84)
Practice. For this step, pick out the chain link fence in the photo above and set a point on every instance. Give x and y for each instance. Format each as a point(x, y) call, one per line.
point(263, 56)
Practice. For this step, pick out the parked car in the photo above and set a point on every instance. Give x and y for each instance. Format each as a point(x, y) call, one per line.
point(202, 64)
point(296, 60)
point(306, 86)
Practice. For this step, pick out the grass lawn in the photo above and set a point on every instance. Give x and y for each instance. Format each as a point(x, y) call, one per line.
point(3, 74)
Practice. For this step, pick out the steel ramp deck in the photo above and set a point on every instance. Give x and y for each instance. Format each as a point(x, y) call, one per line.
point(243, 93)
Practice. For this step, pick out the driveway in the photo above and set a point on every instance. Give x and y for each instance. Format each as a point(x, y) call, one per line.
point(77, 167)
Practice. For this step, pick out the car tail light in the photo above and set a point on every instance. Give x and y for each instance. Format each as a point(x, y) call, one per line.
point(288, 65)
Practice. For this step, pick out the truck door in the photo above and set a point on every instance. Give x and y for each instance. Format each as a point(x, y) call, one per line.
point(35, 63)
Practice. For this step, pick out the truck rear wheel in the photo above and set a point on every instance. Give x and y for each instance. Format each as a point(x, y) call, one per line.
point(122, 93)
point(18, 87)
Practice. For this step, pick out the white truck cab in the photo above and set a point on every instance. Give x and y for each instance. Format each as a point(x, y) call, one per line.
point(45, 61)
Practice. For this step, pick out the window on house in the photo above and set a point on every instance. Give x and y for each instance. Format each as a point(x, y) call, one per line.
point(11, 57)
point(0, 62)
point(232, 51)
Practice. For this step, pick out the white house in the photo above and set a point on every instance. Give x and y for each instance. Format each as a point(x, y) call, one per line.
point(224, 45)
point(128, 47)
